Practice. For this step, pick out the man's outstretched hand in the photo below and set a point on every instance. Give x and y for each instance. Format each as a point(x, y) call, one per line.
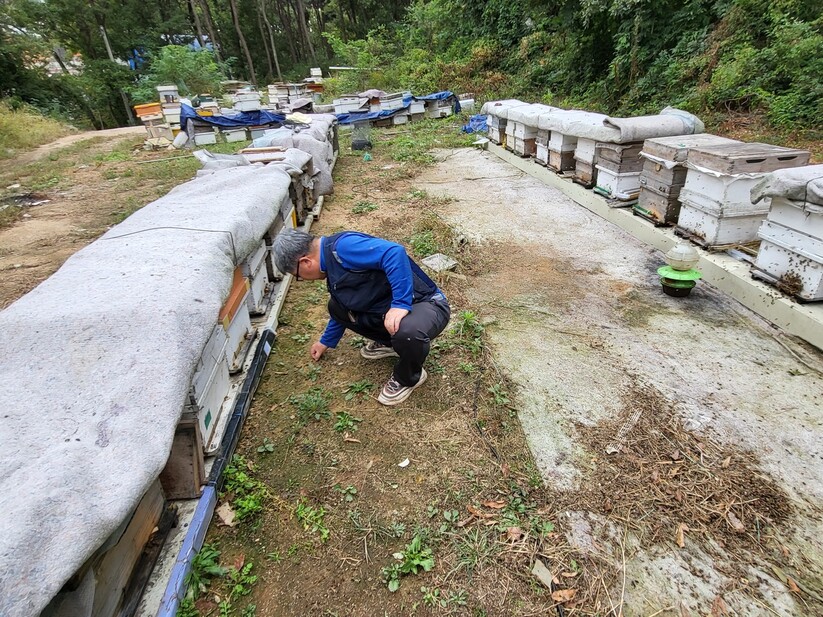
point(393, 318)
point(317, 351)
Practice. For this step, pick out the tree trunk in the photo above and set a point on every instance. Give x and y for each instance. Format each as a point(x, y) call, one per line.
point(304, 27)
point(197, 27)
point(215, 43)
point(235, 17)
point(271, 39)
point(123, 96)
point(283, 15)
point(265, 42)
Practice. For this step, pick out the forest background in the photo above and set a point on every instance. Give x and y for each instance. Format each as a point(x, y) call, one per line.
point(85, 62)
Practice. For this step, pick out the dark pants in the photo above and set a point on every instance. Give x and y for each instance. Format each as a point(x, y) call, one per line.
point(411, 341)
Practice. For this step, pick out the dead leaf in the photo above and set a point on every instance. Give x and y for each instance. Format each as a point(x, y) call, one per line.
point(678, 495)
point(348, 439)
point(563, 595)
point(495, 505)
point(655, 477)
point(226, 515)
point(726, 462)
point(569, 574)
point(542, 573)
point(792, 585)
point(513, 534)
point(674, 471)
point(479, 513)
point(465, 521)
point(612, 449)
point(719, 608)
point(679, 535)
point(675, 456)
point(735, 522)
point(505, 470)
point(239, 562)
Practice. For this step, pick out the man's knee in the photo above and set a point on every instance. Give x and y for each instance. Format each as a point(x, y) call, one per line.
point(409, 335)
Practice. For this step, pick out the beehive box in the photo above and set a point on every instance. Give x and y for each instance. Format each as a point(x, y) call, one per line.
point(619, 186)
point(801, 216)
point(236, 321)
point(523, 147)
point(254, 269)
point(620, 158)
point(585, 173)
point(747, 158)
point(541, 154)
point(561, 161)
point(793, 260)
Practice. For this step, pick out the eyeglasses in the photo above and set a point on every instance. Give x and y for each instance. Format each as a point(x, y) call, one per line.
point(297, 272)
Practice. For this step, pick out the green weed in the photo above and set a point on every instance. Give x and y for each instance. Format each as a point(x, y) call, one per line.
point(413, 559)
point(358, 387)
point(346, 422)
point(423, 243)
point(312, 519)
point(267, 447)
point(249, 493)
point(364, 207)
point(311, 405)
point(501, 397)
point(349, 493)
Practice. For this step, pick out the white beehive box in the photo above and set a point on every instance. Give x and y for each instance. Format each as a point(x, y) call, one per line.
point(399, 119)
point(801, 216)
point(205, 137)
point(787, 254)
point(438, 109)
point(623, 187)
point(168, 94)
point(541, 154)
point(390, 102)
point(494, 135)
point(585, 150)
point(562, 143)
point(522, 131)
point(236, 321)
point(210, 383)
point(543, 137)
point(233, 135)
point(417, 107)
point(254, 269)
point(715, 224)
point(523, 147)
point(347, 104)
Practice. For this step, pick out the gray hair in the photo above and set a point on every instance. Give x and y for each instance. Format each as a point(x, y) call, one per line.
point(288, 247)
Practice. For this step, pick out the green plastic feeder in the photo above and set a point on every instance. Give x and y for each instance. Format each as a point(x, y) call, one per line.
point(678, 283)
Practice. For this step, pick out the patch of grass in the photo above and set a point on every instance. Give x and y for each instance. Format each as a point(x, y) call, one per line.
point(364, 207)
point(311, 405)
point(23, 128)
point(312, 519)
point(423, 243)
point(499, 394)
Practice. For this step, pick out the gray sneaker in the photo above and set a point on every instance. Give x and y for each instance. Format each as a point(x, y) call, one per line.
point(375, 351)
point(393, 393)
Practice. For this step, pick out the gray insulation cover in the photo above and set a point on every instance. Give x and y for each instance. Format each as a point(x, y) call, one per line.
point(97, 362)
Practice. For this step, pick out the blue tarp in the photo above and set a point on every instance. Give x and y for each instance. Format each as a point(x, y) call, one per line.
point(243, 118)
point(477, 124)
point(367, 116)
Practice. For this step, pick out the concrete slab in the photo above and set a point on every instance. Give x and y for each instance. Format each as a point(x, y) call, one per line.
point(581, 318)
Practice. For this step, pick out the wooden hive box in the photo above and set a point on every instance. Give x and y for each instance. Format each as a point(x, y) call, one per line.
point(747, 158)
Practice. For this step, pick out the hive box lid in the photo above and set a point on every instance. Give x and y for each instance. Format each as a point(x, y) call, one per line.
point(744, 158)
point(677, 148)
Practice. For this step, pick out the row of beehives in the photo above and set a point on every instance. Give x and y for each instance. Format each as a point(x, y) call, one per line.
point(699, 183)
point(404, 106)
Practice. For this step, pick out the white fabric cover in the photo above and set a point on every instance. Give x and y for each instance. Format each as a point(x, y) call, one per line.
point(530, 114)
point(500, 108)
point(803, 184)
point(96, 367)
point(599, 127)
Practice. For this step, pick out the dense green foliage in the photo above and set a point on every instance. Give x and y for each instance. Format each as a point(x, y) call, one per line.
point(613, 55)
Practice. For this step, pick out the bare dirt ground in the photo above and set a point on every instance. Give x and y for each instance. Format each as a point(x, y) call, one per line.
point(60, 197)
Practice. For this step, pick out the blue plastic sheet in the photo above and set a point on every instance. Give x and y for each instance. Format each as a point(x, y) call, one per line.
point(367, 116)
point(244, 118)
point(477, 124)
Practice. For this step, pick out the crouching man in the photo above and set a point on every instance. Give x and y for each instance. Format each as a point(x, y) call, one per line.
point(376, 291)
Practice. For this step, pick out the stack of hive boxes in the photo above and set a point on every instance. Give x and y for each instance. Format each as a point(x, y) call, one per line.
point(716, 207)
point(664, 174)
point(497, 113)
point(791, 247)
point(585, 159)
point(522, 130)
point(561, 151)
point(618, 170)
